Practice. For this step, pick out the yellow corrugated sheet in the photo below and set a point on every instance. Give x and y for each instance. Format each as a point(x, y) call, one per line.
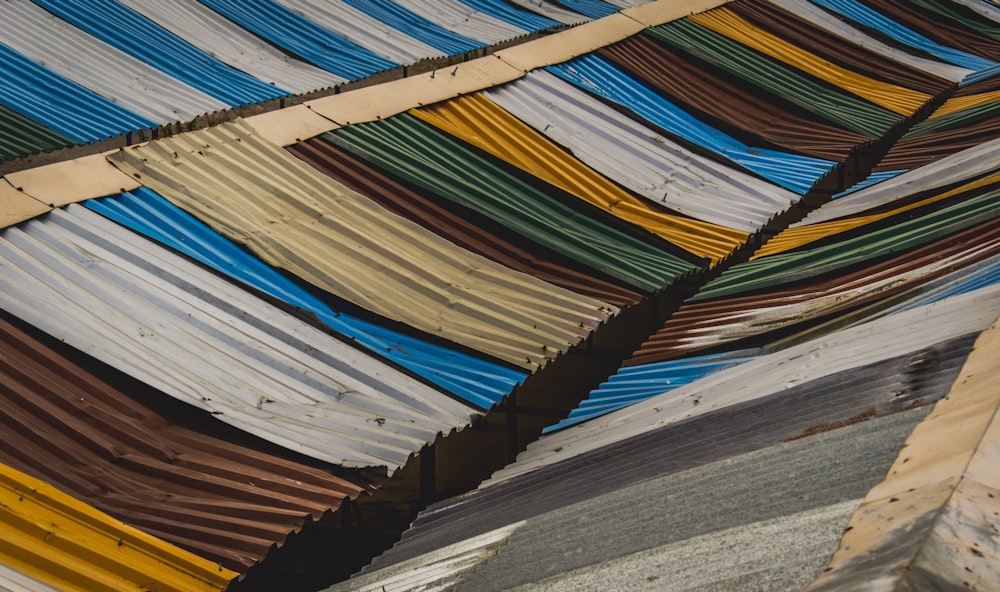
point(955, 104)
point(796, 237)
point(481, 122)
point(61, 541)
point(894, 98)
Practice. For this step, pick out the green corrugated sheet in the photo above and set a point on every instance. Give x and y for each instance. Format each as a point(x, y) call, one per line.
point(845, 110)
point(785, 268)
point(20, 136)
point(954, 120)
point(411, 150)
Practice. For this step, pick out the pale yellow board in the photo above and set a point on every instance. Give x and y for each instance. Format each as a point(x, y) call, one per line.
point(73, 180)
point(665, 11)
point(16, 207)
point(385, 100)
point(570, 43)
point(288, 126)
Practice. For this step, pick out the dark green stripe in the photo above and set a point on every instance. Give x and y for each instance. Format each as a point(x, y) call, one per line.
point(20, 136)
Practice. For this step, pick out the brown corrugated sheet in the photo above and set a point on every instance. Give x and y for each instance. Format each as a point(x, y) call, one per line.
point(707, 325)
point(934, 27)
point(983, 86)
point(69, 425)
point(914, 152)
point(702, 88)
point(458, 227)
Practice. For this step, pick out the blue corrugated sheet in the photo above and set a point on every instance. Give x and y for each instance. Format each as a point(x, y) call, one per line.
point(500, 10)
point(120, 26)
point(981, 75)
point(416, 26)
point(597, 75)
point(592, 8)
point(304, 38)
point(638, 383)
point(872, 179)
point(479, 382)
point(61, 104)
point(864, 15)
point(974, 277)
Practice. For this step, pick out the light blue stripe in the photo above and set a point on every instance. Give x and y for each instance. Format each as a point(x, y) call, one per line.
point(872, 179)
point(592, 8)
point(505, 12)
point(416, 26)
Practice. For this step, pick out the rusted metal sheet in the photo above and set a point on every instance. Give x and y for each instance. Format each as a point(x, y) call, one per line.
point(918, 151)
point(944, 31)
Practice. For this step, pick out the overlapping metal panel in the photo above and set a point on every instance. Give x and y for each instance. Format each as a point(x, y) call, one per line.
point(121, 27)
point(60, 104)
point(601, 77)
point(22, 136)
point(230, 43)
point(703, 89)
point(297, 219)
point(116, 76)
point(478, 121)
point(416, 152)
point(12, 580)
point(552, 10)
point(190, 487)
point(593, 8)
point(480, 382)
point(837, 107)
point(505, 12)
point(69, 545)
point(302, 37)
point(922, 150)
point(985, 9)
point(918, 16)
point(959, 17)
point(459, 227)
point(178, 328)
point(637, 158)
point(464, 20)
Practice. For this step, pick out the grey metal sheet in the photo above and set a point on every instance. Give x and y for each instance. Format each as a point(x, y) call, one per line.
point(59, 46)
point(552, 11)
point(179, 328)
point(228, 42)
point(981, 7)
point(463, 19)
point(12, 580)
point(638, 158)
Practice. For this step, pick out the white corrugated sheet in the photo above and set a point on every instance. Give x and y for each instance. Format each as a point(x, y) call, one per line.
point(463, 19)
point(12, 580)
point(983, 7)
point(173, 325)
point(93, 64)
point(638, 158)
point(230, 43)
point(867, 343)
point(549, 10)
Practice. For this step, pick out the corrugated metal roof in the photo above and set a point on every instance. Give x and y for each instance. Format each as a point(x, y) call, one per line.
point(230, 43)
point(480, 382)
point(116, 76)
point(508, 14)
point(553, 11)
point(836, 106)
point(478, 121)
point(959, 17)
point(61, 104)
point(703, 89)
point(823, 19)
point(416, 152)
point(463, 19)
point(12, 580)
point(136, 35)
point(637, 158)
point(302, 37)
point(190, 486)
point(603, 78)
point(960, 103)
point(921, 150)
point(920, 16)
point(178, 328)
point(962, 112)
point(23, 136)
point(338, 240)
point(460, 227)
point(64, 543)
point(593, 8)
point(982, 8)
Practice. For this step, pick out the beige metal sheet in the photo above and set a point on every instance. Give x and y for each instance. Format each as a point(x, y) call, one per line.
point(298, 219)
point(73, 180)
point(570, 43)
point(291, 125)
point(16, 206)
point(664, 11)
point(385, 100)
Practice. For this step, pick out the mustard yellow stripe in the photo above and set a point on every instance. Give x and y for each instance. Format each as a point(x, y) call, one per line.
point(482, 123)
point(61, 541)
point(796, 237)
point(895, 98)
point(962, 103)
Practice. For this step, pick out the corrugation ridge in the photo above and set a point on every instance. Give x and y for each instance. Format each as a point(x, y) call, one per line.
point(463, 19)
point(23, 136)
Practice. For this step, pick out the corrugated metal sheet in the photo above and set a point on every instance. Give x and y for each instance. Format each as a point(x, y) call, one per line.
point(862, 14)
point(508, 14)
point(302, 37)
point(637, 158)
point(552, 10)
point(924, 150)
point(178, 328)
point(61, 104)
point(459, 227)
point(338, 240)
point(137, 36)
point(959, 17)
point(794, 367)
point(480, 382)
point(421, 155)
point(464, 20)
point(890, 96)
point(478, 121)
point(831, 24)
point(22, 136)
point(835, 106)
point(705, 90)
point(385, 28)
point(601, 77)
point(593, 8)
point(966, 111)
point(230, 43)
point(960, 103)
point(64, 543)
point(185, 484)
point(574, 41)
point(12, 580)
point(918, 16)
point(985, 9)
point(116, 76)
